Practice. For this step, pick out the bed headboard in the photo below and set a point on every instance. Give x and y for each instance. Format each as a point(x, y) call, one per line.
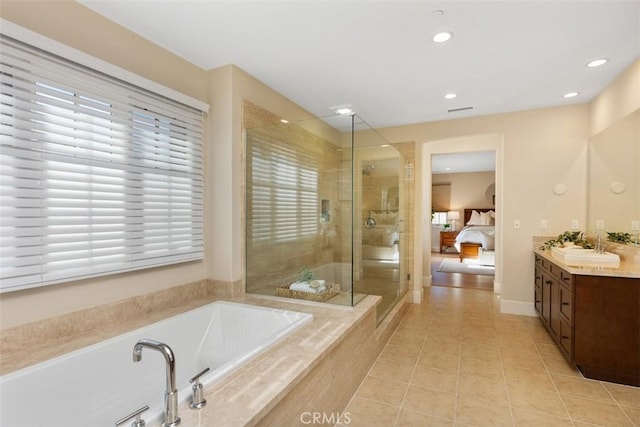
point(467, 213)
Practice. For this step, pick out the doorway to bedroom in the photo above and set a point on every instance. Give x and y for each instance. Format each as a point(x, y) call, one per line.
point(461, 191)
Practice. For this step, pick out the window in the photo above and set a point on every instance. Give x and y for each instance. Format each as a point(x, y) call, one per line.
point(97, 176)
point(439, 218)
point(282, 190)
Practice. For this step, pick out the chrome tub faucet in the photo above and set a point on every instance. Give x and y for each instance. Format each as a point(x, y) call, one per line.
point(171, 418)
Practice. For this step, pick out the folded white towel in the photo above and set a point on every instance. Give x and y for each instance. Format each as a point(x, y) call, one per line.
point(306, 287)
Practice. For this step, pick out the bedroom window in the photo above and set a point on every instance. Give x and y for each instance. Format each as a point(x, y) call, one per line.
point(282, 193)
point(98, 176)
point(439, 218)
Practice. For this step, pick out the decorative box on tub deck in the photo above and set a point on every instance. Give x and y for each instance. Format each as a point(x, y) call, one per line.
point(333, 289)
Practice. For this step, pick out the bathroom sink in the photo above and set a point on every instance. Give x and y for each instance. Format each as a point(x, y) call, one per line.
point(580, 257)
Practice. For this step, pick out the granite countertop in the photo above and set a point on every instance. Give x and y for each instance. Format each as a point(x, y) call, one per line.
point(627, 268)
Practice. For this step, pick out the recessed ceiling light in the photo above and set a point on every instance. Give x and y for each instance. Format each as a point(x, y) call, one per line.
point(442, 37)
point(570, 94)
point(384, 145)
point(597, 62)
point(450, 96)
point(438, 12)
point(285, 121)
point(343, 110)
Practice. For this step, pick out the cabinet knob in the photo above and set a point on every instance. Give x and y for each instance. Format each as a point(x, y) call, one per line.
point(566, 303)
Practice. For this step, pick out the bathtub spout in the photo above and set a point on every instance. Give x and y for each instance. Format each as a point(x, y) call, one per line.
point(171, 418)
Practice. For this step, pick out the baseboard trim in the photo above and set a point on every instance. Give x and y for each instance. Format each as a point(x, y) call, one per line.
point(518, 307)
point(426, 281)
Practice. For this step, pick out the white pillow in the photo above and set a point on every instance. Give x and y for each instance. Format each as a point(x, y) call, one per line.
point(486, 218)
point(475, 219)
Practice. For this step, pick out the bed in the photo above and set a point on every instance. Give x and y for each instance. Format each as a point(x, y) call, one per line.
point(380, 244)
point(477, 237)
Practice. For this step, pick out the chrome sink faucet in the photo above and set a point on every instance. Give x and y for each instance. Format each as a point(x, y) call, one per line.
point(171, 418)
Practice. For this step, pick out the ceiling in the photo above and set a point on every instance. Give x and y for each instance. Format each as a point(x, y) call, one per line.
point(379, 56)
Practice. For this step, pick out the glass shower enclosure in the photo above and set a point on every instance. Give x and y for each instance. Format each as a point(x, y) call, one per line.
point(323, 209)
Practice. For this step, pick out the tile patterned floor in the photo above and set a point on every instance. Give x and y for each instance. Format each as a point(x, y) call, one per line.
point(455, 360)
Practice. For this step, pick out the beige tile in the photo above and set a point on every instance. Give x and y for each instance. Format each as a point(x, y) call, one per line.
point(450, 348)
point(392, 369)
point(480, 350)
point(438, 360)
point(470, 365)
point(434, 340)
point(400, 353)
point(582, 387)
point(521, 358)
point(406, 340)
point(561, 366)
point(533, 378)
point(525, 418)
point(436, 379)
point(595, 412)
point(368, 413)
point(478, 413)
point(436, 403)
point(409, 418)
point(483, 388)
point(412, 329)
point(382, 390)
point(545, 401)
point(549, 351)
point(445, 332)
point(625, 395)
point(633, 414)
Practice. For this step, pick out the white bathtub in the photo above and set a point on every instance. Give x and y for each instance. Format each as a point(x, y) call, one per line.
point(99, 384)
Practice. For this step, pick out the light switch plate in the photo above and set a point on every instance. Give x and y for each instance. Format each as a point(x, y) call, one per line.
point(575, 224)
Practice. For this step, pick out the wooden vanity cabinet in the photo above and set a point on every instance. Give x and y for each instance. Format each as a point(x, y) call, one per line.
point(594, 320)
point(556, 303)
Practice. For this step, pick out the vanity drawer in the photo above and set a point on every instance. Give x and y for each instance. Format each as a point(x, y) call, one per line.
point(566, 340)
point(537, 298)
point(561, 275)
point(566, 304)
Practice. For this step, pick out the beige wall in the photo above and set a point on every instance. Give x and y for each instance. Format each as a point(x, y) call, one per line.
point(619, 99)
point(540, 148)
point(614, 154)
point(467, 189)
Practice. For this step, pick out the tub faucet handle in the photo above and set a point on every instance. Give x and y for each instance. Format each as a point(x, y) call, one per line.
point(197, 398)
point(138, 422)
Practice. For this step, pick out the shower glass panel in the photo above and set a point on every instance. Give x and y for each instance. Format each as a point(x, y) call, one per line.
point(304, 209)
point(379, 234)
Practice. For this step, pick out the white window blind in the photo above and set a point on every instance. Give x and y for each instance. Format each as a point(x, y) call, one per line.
point(282, 191)
point(97, 176)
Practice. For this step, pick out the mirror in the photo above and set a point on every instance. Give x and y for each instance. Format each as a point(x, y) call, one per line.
point(614, 177)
